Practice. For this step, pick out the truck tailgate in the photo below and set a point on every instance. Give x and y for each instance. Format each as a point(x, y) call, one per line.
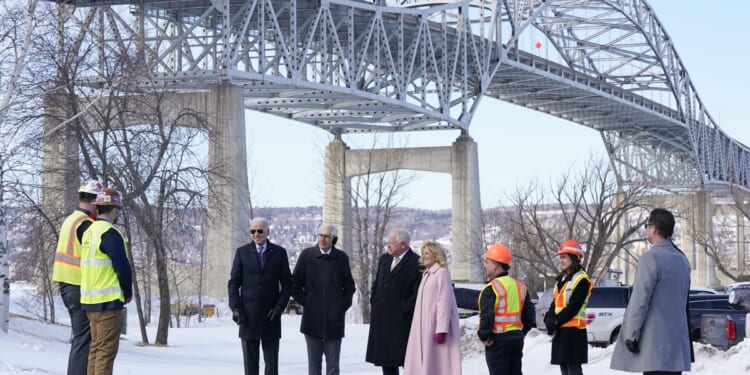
point(721, 330)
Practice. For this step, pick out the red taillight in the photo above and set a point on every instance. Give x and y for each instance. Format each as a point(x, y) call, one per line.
point(731, 330)
point(590, 318)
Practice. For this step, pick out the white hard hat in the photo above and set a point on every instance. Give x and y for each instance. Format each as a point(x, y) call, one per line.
point(91, 187)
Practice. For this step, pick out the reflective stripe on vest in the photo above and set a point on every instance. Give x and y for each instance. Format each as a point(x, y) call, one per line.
point(563, 298)
point(510, 296)
point(99, 282)
point(66, 268)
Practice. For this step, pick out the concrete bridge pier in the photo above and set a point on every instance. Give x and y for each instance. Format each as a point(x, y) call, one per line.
point(696, 224)
point(460, 160)
point(60, 162)
point(228, 195)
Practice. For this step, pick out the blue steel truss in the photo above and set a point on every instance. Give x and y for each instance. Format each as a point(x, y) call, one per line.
point(361, 66)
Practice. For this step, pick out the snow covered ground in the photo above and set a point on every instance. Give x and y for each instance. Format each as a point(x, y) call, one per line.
point(33, 347)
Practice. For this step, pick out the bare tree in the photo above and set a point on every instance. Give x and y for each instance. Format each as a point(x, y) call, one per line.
point(589, 207)
point(725, 241)
point(374, 196)
point(17, 28)
point(155, 165)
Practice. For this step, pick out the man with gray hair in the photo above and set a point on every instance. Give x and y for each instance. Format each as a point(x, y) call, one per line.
point(259, 287)
point(392, 300)
point(322, 283)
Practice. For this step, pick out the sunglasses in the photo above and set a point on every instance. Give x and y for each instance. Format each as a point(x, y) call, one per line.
point(253, 231)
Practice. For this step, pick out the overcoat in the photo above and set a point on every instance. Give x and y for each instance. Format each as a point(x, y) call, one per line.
point(255, 291)
point(324, 286)
point(655, 315)
point(392, 299)
point(434, 312)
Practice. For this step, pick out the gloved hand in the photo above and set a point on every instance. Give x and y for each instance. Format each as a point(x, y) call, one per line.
point(550, 322)
point(632, 346)
point(274, 313)
point(439, 337)
point(236, 315)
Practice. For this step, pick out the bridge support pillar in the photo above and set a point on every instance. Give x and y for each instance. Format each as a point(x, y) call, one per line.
point(337, 206)
point(228, 196)
point(460, 160)
point(60, 162)
point(466, 227)
point(696, 233)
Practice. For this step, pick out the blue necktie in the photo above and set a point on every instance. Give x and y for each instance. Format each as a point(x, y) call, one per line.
point(261, 253)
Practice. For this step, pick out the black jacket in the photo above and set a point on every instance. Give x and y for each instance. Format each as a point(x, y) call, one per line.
point(487, 316)
point(255, 292)
point(392, 299)
point(324, 286)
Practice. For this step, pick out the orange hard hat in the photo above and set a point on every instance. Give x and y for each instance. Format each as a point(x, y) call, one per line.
point(571, 247)
point(499, 253)
point(108, 197)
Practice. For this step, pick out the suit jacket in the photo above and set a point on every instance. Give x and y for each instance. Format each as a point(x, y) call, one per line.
point(655, 315)
point(255, 291)
point(392, 300)
point(324, 285)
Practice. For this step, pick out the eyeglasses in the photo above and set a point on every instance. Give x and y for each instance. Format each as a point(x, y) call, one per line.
point(253, 231)
point(326, 236)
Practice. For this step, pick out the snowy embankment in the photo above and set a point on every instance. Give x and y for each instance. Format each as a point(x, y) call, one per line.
point(33, 347)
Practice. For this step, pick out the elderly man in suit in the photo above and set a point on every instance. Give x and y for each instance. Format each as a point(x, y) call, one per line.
point(654, 338)
point(259, 288)
point(392, 300)
point(322, 282)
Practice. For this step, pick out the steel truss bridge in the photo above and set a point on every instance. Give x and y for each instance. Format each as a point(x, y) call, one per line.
point(373, 66)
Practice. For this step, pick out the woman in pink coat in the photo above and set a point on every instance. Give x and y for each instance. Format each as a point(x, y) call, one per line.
point(434, 346)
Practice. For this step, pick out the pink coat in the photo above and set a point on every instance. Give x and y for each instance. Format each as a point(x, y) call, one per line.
point(435, 312)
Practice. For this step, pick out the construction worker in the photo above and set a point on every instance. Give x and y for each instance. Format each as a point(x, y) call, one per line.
point(106, 282)
point(506, 313)
point(66, 272)
point(566, 318)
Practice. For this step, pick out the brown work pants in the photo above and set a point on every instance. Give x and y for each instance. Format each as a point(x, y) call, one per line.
point(105, 340)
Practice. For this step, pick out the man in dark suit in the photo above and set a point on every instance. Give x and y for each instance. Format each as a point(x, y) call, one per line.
point(322, 282)
point(259, 288)
point(392, 300)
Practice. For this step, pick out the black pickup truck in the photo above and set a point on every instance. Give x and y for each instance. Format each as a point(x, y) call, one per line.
point(725, 327)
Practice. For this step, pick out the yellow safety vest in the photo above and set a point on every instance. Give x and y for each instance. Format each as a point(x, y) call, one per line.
point(67, 265)
point(562, 298)
point(99, 282)
point(510, 295)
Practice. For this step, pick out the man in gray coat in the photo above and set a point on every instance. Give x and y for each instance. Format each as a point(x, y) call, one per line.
point(654, 338)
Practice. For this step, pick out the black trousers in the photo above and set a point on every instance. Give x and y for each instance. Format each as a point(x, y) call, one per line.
point(570, 369)
point(251, 356)
point(504, 357)
point(78, 358)
point(316, 349)
point(390, 370)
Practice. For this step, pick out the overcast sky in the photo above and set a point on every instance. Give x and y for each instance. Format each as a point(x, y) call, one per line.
point(518, 145)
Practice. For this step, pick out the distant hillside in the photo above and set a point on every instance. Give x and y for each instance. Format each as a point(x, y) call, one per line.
point(296, 227)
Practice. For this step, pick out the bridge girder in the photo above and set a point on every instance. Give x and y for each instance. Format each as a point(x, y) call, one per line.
point(356, 66)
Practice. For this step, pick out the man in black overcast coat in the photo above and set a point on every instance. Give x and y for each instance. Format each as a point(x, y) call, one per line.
point(323, 284)
point(259, 288)
point(394, 294)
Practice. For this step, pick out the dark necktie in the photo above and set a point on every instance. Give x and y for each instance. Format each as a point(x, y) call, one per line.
point(261, 255)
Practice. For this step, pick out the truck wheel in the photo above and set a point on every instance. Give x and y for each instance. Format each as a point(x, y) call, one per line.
point(614, 335)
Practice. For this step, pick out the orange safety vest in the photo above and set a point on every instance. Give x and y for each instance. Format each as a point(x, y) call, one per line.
point(562, 298)
point(510, 295)
point(67, 266)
